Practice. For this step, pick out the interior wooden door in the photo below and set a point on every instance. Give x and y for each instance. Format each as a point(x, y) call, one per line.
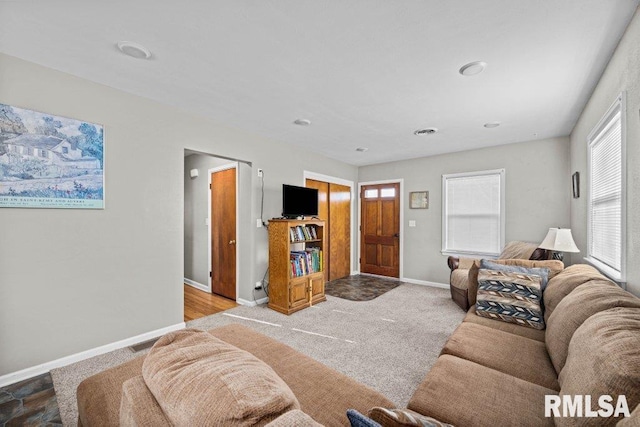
point(380, 229)
point(223, 233)
point(340, 231)
point(334, 208)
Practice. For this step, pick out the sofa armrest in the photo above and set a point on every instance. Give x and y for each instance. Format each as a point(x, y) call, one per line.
point(453, 262)
point(461, 263)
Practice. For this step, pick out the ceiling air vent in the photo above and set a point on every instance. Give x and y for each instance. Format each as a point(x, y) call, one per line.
point(427, 131)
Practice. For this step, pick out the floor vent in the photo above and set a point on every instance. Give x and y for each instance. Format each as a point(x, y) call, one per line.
point(143, 345)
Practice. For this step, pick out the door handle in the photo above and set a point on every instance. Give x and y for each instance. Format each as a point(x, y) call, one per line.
point(396, 235)
point(232, 242)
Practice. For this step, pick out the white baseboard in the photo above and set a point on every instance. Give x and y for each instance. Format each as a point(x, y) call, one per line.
point(425, 283)
point(252, 303)
point(196, 285)
point(355, 272)
point(33, 371)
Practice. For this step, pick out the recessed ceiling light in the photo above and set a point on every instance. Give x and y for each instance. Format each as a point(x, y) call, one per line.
point(134, 50)
point(302, 122)
point(473, 68)
point(427, 131)
point(362, 149)
point(492, 125)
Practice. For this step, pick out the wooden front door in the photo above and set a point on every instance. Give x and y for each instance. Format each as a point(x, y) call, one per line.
point(380, 229)
point(223, 233)
point(334, 208)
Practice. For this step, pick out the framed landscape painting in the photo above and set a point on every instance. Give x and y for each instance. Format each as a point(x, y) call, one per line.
point(48, 161)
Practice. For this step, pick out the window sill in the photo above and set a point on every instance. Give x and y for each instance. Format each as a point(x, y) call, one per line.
point(611, 273)
point(463, 254)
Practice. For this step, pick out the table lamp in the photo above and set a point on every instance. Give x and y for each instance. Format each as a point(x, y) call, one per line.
point(558, 241)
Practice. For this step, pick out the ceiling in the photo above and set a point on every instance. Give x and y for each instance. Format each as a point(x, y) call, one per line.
point(366, 73)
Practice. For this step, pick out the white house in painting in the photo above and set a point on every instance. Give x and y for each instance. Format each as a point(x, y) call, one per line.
point(53, 151)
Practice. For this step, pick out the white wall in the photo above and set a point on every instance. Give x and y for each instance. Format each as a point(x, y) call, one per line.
point(73, 280)
point(622, 74)
point(538, 187)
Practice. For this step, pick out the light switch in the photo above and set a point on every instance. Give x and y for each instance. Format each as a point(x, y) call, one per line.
point(206, 221)
point(412, 223)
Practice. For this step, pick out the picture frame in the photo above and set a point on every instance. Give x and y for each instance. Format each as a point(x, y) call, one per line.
point(575, 180)
point(49, 161)
point(419, 200)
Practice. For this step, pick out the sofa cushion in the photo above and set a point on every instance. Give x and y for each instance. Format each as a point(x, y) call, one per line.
point(517, 356)
point(554, 266)
point(578, 306)
point(139, 407)
point(465, 393)
point(198, 379)
point(403, 418)
point(518, 249)
point(633, 420)
point(564, 283)
point(294, 418)
point(513, 297)
point(512, 328)
point(603, 359)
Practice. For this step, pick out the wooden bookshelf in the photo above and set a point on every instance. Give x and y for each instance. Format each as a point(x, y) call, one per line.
point(296, 264)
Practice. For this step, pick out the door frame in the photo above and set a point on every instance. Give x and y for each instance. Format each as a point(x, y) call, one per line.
point(236, 166)
point(341, 181)
point(399, 181)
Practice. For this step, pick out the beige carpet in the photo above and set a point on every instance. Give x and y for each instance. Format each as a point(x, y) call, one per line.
point(388, 343)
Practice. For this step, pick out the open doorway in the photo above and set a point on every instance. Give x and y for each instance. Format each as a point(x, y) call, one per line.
point(211, 187)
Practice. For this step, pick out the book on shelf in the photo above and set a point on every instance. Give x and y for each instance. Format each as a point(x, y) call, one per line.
point(306, 262)
point(301, 233)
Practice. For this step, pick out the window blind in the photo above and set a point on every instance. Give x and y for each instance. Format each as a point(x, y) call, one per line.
point(605, 201)
point(472, 212)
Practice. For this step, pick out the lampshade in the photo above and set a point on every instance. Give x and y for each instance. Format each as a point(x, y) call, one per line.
point(560, 240)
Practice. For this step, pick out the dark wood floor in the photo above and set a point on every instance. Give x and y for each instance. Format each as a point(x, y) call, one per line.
point(198, 303)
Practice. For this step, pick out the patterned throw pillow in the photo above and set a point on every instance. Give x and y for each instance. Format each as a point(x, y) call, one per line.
point(512, 296)
point(356, 419)
point(403, 417)
point(543, 272)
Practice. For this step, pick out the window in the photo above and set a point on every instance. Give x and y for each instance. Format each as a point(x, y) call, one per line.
point(371, 193)
point(473, 212)
point(43, 153)
point(65, 150)
point(388, 192)
point(606, 203)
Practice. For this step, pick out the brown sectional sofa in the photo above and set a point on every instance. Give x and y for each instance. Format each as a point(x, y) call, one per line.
point(492, 373)
point(489, 373)
point(323, 393)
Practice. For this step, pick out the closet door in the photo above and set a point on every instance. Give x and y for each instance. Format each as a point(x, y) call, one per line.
point(334, 207)
point(340, 231)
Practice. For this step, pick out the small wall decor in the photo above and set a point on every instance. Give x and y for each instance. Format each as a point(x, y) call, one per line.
point(48, 161)
point(575, 179)
point(419, 200)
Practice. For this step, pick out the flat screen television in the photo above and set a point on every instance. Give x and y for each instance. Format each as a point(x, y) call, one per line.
point(299, 201)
